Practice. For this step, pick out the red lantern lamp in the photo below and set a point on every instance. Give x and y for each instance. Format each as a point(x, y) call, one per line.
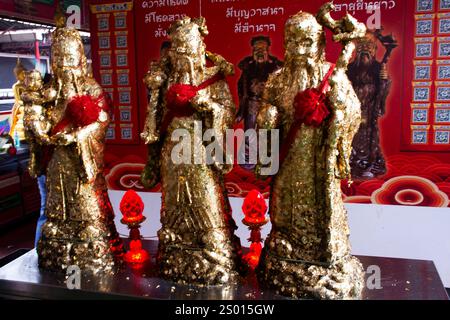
point(254, 209)
point(132, 207)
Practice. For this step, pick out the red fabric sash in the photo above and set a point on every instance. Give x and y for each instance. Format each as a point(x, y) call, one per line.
point(311, 108)
point(81, 111)
point(178, 99)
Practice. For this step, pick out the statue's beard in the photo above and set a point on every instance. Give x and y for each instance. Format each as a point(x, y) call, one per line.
point(260, 57)
point(261, 60)
point(304, 61)
point(187, 69)
point(364, 59)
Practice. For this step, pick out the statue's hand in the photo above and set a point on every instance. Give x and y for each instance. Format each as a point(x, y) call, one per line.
point(201, 102)
point(45, 139)
point(350, 29)
point(155, 79)
point(225, 67)
point(145, 137)
point(148, 138)
point(63, 139)
point(49, 94)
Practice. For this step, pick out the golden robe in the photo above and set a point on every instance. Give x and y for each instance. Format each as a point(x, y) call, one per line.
point(196, 241)
point(80, 226)
point(307, 252)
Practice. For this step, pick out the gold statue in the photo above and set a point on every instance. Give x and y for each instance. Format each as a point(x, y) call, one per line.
point(37, 127)
point(17, 110)
point(196, 241)
point(80, 226)
point(307, 253)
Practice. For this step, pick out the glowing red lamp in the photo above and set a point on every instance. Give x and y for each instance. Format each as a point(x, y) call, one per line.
point(132, 207)
point(254, 209)
point(12, 151)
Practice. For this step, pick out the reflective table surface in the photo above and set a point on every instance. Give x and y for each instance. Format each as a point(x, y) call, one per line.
point(401, 279)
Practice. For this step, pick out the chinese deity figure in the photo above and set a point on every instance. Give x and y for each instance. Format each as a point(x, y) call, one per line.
point(37, 126)
point(255, 71)
point(312, 102)
point(156, 70)
point(37, 130)
point(17, 130)
point(372, 84)
point(196, 241)
point(80, 226)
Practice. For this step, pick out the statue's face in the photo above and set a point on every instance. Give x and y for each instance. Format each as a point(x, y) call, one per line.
point(187, 41)
point(304, 38)
point(187, 50)
point(192, 47)
point(21, 75)
point(366, 51)
point(261, 51)
point(305, 46)
point(68, 54)
point(33, 81)
point(68, 59)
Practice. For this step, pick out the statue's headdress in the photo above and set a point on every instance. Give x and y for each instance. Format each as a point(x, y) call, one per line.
point(188, 33)
point(67, 44)
point(19, 68)
point(301, 25)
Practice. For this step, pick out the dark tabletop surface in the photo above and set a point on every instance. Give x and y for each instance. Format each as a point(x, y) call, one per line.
point(401, 279)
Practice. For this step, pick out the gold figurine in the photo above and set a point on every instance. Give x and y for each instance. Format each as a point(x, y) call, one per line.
point(307, 253)
point(17, 111)
point(196, 241)
point(80, 226)
point(37, 126)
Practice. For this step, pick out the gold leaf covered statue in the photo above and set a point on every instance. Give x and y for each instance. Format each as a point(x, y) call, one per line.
point(307, 253)
point(80, 226)
point(37, 126)
point(17, 110)
point(196, 241)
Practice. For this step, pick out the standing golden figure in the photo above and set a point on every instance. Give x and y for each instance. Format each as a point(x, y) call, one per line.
point(196, 242)
point(80, 228)
point(36, 124)
point(307, 253)
point(17, 129)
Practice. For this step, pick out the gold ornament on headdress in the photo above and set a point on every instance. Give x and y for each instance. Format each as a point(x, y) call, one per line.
point(60, 17)
point(19, 68)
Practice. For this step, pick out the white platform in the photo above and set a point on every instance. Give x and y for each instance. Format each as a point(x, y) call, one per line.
point(387, 231)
